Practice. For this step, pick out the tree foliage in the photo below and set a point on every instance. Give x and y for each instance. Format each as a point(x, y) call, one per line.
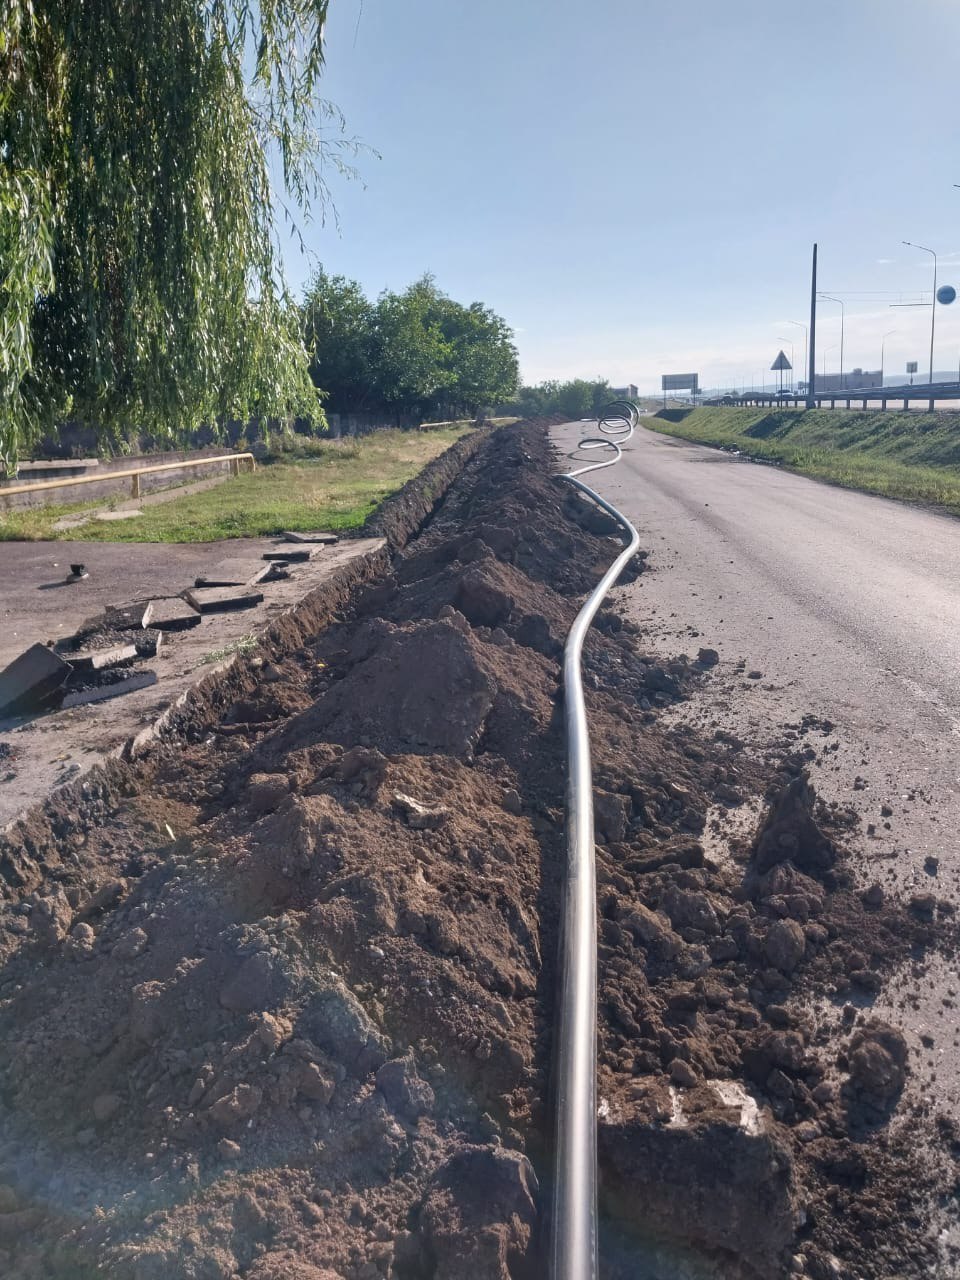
point(416, 352)
point(139, 278)
point(577, 398)
point(337, 322)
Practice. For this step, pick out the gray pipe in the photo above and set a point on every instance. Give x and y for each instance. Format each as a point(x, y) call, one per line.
point(573, 1217)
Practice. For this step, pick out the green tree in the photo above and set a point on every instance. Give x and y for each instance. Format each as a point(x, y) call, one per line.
point(139, 280)
point(338, 329)
point(483, 364)
point(417, 352)
point(578, 398)
point(410, 353)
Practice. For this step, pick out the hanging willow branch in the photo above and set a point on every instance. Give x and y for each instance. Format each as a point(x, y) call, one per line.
point(139, 273)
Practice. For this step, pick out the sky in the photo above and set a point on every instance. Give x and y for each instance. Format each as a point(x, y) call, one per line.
point(636, 185)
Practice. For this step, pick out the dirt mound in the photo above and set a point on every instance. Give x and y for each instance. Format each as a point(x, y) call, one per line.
point(285, 1006)
point(425, 687)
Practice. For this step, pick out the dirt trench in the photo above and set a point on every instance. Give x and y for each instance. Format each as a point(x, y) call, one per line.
point(282, 1005)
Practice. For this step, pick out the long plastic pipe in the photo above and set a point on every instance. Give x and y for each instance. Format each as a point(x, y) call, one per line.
point(573, 1218)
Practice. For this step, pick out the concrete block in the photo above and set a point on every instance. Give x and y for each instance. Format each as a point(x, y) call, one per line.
point(99, 693)
point(239, 573)
point(323, 539)
point(99, 659)
point(32, 680)
point(173, 613)
point(222, 599)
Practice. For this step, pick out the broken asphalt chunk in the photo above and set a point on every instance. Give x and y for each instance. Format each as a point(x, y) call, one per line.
point(222, 599)
point(320, 538)
point(240, 573)
point(32, 680)
point(174, 613)
point(99, 659)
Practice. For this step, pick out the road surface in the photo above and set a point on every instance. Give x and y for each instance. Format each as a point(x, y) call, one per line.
point(842, 606)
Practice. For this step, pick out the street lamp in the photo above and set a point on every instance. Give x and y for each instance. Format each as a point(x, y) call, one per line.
point(828, 298)
point(804, 328)
point(883, 343)
point(825, 353)
point(933, 300)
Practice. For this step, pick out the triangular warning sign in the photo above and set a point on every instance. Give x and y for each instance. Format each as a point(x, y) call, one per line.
point(781, 362)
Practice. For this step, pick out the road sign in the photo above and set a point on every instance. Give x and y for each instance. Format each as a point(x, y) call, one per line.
point(946, 294)
point(781, 362)
point(680, 382)
point(911, 366)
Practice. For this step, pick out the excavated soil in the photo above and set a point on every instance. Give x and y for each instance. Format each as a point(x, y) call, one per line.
point(278, 1001)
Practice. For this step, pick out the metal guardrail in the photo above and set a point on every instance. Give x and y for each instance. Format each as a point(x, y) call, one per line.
point(572, 1247)
point(135, 473)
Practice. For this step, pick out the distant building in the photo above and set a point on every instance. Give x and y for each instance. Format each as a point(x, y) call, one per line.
point(853, 379)
point(629, 392)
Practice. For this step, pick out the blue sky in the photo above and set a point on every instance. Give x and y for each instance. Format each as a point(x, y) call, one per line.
point(636, 186)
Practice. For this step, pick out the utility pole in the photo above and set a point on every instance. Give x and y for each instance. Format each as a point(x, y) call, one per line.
point(812, 372)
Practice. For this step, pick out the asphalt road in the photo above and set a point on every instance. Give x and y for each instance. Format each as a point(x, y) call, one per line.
point(842, 606)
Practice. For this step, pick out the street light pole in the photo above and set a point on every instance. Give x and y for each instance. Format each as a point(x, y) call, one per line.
point(828, 298)
point(883, 343)
point(933, 300)
point(812, 367)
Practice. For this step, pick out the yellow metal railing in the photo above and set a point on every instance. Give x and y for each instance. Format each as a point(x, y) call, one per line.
point(234, 459)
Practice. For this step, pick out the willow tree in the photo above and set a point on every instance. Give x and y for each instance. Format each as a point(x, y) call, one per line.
point(140, 283)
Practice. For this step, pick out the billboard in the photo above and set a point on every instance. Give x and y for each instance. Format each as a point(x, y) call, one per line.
point(680, 382)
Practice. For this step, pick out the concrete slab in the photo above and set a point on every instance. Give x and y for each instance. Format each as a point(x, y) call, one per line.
point(173, 613)
point(239, 573)
point(294, 555)
point(101, 693)
point(324, 539)
point(31, 680)
point(101, 659)
point(222, 599)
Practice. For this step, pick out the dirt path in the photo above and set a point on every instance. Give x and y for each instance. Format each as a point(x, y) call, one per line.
point(282, 1004)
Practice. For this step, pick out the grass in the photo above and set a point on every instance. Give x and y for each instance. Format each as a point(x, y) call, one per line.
point(321, 484)
point(243, 645)
point(911, 456)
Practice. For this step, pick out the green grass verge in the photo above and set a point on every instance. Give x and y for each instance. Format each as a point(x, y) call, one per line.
point(328, 484)
point(912, 456)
